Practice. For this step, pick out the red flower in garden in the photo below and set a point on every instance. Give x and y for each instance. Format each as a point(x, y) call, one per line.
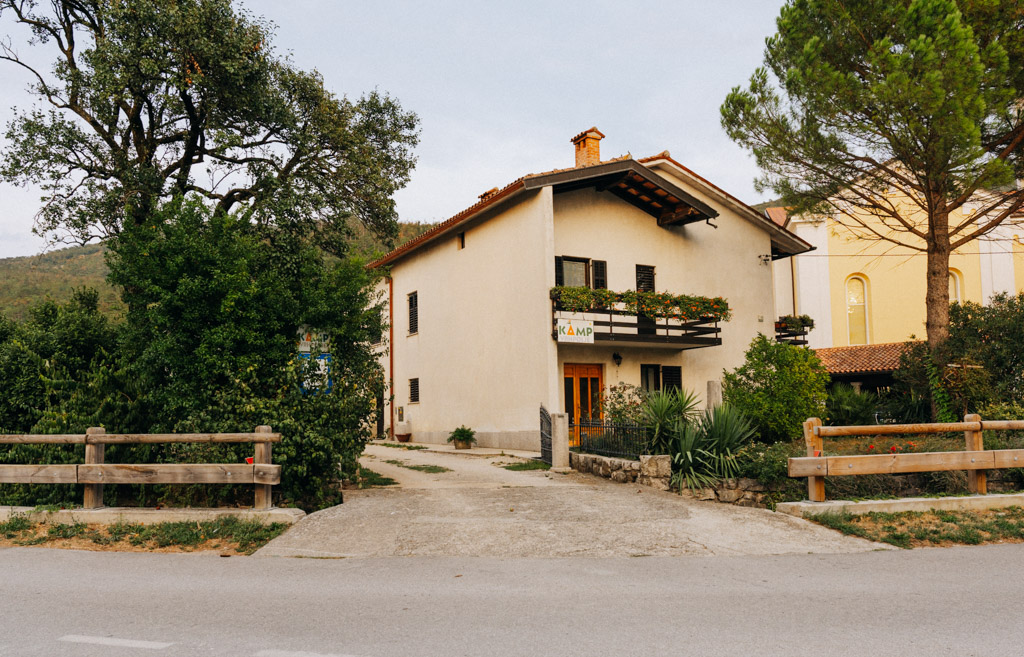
point(871, 446)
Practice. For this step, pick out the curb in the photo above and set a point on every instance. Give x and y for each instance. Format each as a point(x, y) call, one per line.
point(966, 503)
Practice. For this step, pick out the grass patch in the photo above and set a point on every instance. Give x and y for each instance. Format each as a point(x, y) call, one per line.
point(527, 465)
point(429, 469)
point(243, 536)
point(14, 526)
point(911, 529)
point(401, 446)
point(368, 479)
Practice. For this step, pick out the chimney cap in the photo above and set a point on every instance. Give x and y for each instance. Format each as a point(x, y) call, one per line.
point(591, 132)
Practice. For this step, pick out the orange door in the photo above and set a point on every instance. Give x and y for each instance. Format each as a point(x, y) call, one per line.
point(583, 386)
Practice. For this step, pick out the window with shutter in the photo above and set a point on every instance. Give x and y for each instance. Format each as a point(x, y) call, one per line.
point(600, 277)
point(559, 272)
point(671, 377)
point(414, 391)
point(644, 278)
point(650, 377)
point(414, 313)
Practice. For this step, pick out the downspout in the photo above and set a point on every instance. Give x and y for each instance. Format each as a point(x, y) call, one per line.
point(391, 351)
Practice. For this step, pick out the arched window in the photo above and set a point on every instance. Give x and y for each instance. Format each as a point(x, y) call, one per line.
point(955, 286)
point(857, 309)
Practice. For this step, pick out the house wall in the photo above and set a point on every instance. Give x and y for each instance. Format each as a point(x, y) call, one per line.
point(813, 298)
point(695, 259)
point(896, 284)
point(484, 353)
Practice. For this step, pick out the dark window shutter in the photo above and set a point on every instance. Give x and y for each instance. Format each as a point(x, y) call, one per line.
point(414, 313)
point(671, 377)
point(600, 277)
point(559, 274)
point(414, 391)
point(644, 278)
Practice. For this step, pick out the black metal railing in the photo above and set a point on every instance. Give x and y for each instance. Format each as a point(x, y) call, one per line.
point(621, 439)
point(545, 435)
point(618, 325)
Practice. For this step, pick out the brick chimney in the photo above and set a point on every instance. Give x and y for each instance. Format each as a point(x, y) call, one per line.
point(588, 147)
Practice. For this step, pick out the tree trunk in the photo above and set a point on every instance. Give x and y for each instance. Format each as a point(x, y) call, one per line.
point(937, 295)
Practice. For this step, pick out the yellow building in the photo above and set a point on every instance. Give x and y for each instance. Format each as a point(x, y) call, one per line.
point(861, 291)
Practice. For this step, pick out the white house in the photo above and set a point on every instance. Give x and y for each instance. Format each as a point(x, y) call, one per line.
point(477, 340)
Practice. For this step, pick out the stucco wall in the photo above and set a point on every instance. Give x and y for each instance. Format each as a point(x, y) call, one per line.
point(484, 353)
point(813, 295)
point(896, 284)
point(696, 259)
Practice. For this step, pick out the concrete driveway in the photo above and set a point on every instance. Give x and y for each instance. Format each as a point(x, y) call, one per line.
point(477, 508)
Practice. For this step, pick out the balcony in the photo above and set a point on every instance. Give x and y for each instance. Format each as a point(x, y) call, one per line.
point(635, 319)
point(792, 329)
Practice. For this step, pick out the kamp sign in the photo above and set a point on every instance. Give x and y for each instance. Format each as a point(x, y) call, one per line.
point(576, 330)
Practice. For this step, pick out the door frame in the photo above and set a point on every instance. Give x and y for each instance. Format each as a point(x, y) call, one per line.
point(576, 371)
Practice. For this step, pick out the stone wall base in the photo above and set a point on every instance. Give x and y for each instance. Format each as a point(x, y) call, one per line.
point(655, 471)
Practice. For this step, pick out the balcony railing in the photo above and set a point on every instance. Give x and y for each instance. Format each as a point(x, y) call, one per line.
point(615, 325)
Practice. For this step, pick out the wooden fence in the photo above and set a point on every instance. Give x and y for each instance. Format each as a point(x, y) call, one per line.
point(974, 459)
point(94, 472)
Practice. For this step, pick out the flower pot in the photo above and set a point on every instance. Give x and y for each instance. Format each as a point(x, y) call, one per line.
point(403, 437)
point(462, 444)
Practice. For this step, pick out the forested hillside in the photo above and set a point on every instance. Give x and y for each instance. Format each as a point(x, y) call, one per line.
point(26, 280)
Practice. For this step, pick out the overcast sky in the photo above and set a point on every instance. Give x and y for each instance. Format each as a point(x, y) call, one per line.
point(500, 88)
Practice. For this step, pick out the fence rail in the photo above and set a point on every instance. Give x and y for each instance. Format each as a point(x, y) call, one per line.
point(94, 473)
point(975, 459)
point(619, 439)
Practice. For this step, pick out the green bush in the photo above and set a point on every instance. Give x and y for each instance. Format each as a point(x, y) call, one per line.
point(847, 407)
point(208, 345)
point(777, 387)
point(624, 402)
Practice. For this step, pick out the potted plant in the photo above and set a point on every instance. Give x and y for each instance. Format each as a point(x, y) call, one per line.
point(462, 438)
point(794, 323)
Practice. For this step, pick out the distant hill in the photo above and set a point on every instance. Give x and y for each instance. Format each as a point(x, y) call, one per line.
point(30, 279)
point(27, 280)
point(761, 207)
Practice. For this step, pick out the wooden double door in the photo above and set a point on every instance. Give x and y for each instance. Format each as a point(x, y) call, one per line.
point(584, 383)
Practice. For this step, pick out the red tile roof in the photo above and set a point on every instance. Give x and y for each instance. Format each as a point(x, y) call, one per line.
point(777, 214)
point(862, 359)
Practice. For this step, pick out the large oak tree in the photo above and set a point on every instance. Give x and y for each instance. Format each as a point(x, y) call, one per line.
point(149, 99)
point(890, 115)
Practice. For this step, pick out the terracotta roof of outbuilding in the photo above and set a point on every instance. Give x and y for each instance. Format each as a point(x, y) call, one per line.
point(863, 359)
point(778, 215)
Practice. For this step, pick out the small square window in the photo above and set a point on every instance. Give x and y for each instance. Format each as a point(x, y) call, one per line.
point(461, 241)
point(414, 391)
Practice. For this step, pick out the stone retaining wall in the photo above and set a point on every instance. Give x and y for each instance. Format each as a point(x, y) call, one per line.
point(656, 472)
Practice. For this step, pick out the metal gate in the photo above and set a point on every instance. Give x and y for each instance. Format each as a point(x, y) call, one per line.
point(545, 435)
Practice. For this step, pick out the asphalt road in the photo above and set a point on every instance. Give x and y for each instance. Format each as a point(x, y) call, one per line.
point(960, 601)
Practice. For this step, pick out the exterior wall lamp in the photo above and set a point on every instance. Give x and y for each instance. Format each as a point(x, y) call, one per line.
point(617, 357)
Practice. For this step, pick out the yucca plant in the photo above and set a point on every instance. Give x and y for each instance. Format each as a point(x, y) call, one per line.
point(706, 451)
point(662, 410)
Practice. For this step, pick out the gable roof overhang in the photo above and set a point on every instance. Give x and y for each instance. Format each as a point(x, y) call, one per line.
point(635, 184)
point(784, 242)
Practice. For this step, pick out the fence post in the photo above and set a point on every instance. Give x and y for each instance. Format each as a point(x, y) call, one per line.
point(559, 442)
point(977, 480)
point(815, 485)
point(262, 456)
point(93, 497)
